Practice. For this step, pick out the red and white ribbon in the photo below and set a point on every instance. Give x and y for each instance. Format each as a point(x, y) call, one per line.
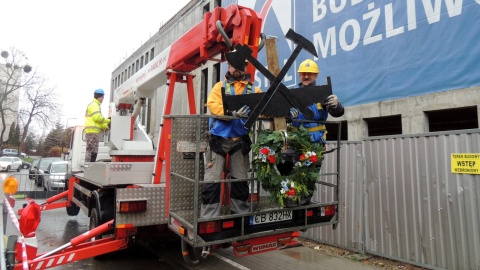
point(14, 219)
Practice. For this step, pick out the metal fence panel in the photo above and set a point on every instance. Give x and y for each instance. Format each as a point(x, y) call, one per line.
point(349, 233)
point(416, 209)
point(399, 200)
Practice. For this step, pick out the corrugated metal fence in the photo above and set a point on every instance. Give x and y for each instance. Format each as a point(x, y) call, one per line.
point(399, 200)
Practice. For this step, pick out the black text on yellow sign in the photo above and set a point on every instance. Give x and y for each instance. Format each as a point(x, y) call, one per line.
point(468, 163)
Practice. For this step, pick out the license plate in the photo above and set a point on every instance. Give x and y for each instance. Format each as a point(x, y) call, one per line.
point(271, 217)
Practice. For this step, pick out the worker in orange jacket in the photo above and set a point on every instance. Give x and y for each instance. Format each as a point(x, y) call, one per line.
point(228, 136)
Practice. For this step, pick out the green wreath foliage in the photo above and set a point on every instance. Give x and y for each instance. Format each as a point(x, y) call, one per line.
point(268, 154)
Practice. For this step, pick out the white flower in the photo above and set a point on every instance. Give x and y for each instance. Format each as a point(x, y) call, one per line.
point(282, 191)
point(292, 184)
point(308, 154)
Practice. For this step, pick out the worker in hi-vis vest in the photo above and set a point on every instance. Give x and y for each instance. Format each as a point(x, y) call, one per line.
point(94, 124)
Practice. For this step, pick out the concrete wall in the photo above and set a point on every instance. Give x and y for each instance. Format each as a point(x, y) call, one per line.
point(411, 109)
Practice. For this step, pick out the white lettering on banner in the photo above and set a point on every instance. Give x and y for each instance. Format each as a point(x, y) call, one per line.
point(319, 10)
point(339, 8)
point(331, 40)
point(326, 42)
point(343, 36)
point(454, 7)
point(432, 12)
point(390, 30)
point(411, 15)
point(375, 14)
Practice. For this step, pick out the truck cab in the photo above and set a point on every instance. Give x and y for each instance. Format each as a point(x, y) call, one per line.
point(76, 154)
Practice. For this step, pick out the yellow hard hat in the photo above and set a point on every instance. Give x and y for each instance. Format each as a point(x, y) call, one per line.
point(308, 66)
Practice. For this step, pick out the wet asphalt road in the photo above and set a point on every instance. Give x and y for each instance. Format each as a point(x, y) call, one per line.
point(57, 229)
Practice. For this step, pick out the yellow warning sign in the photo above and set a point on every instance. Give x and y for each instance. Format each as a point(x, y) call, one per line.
point(468, 163)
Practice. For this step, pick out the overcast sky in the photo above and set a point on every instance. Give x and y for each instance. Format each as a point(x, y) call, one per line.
point(77, 44)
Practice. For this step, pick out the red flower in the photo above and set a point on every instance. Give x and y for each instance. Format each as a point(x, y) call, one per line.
point(313, 159)
point(302, 157)
point(290, 192)
point(264, 150)
point(271, 159)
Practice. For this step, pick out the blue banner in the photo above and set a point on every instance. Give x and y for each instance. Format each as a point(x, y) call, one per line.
point(378, 50)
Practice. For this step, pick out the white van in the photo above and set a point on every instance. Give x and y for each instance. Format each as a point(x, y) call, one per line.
point(76, 154)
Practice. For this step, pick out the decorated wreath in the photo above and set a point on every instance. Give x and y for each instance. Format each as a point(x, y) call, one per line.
point(285, 162)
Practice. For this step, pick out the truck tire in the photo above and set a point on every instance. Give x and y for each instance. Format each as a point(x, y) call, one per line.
point(94, 222)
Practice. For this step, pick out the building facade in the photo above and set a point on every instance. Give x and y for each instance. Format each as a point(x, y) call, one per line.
point(400, 67)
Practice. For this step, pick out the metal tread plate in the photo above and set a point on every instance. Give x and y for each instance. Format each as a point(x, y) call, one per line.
point(156, 205)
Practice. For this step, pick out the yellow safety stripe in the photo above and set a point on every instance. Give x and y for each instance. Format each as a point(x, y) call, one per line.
point(92, 127)
point(87, 115)
point(312, 129)
point(317, 128)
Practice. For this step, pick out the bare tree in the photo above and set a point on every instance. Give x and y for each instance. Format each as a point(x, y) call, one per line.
point(14, 76)
point(39, 105)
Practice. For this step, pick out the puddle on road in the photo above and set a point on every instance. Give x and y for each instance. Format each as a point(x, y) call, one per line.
point(304, 255)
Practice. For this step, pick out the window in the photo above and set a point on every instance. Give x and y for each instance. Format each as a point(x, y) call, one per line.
point(152, 53)
point(385, 125)
point(141, 62)
point(136, 66)
point(452, 119)
point(333, 131)
point(146, 58)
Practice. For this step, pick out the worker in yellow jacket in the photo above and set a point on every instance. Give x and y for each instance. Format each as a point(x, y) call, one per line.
point(94, 124)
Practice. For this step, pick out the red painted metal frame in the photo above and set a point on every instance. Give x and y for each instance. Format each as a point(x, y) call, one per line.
point(79, 252)
point(196, 47)
point(265, 240)
point(79, 249)
point(203, 42)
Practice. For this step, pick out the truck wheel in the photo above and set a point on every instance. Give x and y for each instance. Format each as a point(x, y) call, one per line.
point(10, 251)
point(73, 210)
point(94, 222)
